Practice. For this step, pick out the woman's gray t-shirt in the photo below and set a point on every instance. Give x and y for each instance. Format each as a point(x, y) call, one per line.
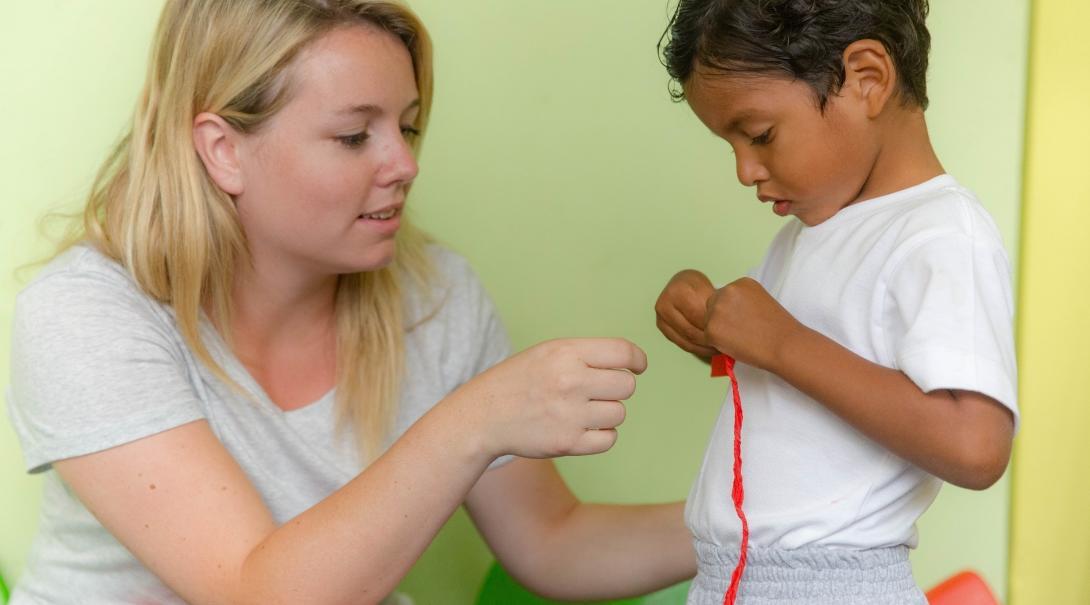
point(96, 363)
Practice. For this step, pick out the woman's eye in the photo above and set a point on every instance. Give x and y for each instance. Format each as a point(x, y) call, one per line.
point(353, 141)
point(409, 133)
point(763, 138)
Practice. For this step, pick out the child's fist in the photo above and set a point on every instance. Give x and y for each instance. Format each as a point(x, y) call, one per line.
point(744, 321)
point(681, 309)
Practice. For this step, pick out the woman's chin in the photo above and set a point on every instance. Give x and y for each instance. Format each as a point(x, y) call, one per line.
point(373, 260)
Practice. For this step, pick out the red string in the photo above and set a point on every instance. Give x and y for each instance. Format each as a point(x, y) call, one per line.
point(723, 365)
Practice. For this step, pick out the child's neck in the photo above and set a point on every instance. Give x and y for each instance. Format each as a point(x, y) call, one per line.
point(906, 157)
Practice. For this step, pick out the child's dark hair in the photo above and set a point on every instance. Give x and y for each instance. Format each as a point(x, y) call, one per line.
point(799, 39)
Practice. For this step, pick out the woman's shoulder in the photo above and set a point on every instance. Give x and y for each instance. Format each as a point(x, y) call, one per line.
point(449, 276)
point(447, 262)
point(452, 291)
point(82, 281)
point(81, 266)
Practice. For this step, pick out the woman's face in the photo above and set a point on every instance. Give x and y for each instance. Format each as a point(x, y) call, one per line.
point(325, 179)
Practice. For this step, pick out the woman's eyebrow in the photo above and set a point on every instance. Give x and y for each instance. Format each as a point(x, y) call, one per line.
point(371, 109)
point(365, 108)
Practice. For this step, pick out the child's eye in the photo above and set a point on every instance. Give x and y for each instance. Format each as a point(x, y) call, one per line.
point(763, 138)
point(354, 141)
point(409, 133)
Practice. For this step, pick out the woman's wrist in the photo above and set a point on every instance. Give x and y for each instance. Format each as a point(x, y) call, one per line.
point(457, 418)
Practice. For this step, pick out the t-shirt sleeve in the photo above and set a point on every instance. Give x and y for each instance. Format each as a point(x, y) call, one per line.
point(92, 367)
point(949, 317)
point(477, 339)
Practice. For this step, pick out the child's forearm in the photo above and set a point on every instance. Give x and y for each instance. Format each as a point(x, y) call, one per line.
point(961, 437)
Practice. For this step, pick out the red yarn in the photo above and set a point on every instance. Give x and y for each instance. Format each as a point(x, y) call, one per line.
point(723, 365)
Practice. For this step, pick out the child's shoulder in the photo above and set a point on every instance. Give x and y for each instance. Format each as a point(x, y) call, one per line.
point(949, 210)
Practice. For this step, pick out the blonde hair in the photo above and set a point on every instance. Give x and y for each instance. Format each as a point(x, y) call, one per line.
point(154, 209)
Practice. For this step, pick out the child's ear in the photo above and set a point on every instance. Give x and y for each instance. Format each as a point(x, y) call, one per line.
point(216, 143)
point(869, 75)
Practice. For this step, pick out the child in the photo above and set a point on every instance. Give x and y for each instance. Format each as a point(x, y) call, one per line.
point(874, 344)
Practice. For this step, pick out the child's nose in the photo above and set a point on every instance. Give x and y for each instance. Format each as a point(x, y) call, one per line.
point(750, 169)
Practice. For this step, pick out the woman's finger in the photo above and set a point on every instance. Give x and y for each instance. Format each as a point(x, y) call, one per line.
point(604, 414)
point(609, 385)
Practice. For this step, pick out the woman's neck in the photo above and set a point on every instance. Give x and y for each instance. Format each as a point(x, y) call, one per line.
point(271, 304)
point(283, 330)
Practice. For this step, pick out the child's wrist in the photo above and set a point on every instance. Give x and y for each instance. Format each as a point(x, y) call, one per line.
point(786, 350)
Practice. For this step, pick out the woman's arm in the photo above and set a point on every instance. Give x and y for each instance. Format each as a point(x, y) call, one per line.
point(563, 549)
point(184, 507)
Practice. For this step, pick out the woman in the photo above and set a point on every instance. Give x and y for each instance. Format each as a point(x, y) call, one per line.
point(257, 383)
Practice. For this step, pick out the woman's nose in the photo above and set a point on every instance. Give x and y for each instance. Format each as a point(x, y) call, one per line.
point(401, 166)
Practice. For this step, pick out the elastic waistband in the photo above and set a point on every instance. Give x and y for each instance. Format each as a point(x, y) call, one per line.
point(810, 575)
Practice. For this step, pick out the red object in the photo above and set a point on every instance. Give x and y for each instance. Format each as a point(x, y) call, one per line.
point(723, 365)
point(965, 588)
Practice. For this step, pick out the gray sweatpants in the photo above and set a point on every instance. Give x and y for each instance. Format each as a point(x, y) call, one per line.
point(807, 576)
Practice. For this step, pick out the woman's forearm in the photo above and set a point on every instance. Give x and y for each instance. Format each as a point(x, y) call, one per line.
point(600, 551)
point(356, 545)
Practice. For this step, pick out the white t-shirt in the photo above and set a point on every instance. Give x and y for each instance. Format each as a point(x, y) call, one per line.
point(917, 281)
point(96, 363)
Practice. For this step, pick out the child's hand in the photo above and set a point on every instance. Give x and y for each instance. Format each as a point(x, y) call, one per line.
point(680, 312)
point(745, 322)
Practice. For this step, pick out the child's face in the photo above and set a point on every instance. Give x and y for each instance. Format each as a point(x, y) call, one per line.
point(806, 163)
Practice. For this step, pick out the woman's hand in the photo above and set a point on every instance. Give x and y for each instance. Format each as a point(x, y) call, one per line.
point(558, 398)
point(745, 322)
point(680, 312)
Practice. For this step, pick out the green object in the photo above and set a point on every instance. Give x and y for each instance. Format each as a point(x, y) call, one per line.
point(3, 591)
point(499, 588)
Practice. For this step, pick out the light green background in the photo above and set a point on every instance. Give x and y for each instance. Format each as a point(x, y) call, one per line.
point(557, 163)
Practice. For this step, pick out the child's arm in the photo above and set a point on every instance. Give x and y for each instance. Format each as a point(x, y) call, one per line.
point(564, 549)
point(961, 437)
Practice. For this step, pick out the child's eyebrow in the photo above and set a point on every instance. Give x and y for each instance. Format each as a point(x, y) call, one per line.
point(735, 123)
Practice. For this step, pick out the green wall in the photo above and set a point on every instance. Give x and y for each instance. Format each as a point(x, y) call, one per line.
point(558, 165)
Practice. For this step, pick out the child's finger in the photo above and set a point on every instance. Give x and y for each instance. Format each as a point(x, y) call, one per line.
point(692, 331)
point(695, 313)
point(701, 351)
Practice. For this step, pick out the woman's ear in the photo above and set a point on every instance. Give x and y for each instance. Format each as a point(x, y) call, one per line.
point(216, 143)
point(869, 75)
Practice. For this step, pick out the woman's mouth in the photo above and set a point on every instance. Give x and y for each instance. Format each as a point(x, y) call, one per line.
point(382, 215)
